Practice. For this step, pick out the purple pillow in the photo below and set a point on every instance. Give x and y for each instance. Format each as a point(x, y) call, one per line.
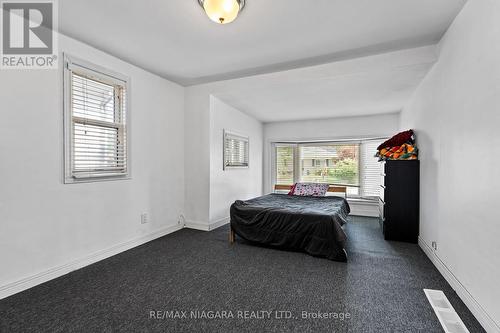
point(311, 189)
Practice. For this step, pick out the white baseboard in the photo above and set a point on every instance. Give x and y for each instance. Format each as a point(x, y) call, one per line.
point(196, 225)
point(55, 272)
point(206, 226)
point(477, 310)
point(219, 223)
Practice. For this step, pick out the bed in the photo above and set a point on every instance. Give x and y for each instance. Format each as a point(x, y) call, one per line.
point(309, 224)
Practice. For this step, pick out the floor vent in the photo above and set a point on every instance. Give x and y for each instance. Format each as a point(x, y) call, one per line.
point(445, 312)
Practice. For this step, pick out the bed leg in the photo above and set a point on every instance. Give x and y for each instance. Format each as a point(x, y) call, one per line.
point(231, 236)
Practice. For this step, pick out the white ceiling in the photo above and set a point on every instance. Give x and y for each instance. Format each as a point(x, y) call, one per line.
point(175, 39)
point(353, 95)
point(363, 86)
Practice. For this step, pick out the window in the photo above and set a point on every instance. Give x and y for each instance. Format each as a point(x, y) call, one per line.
point(351, 163)
point(235, 151)
point(343, 168)
point(284, 165)
point(96, 137)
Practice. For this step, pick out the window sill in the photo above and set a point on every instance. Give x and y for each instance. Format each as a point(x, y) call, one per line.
point(76, 180)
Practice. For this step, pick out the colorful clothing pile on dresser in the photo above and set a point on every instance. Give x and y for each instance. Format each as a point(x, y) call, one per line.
point(400, 147)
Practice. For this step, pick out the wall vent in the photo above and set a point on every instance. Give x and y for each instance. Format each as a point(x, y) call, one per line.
point(445, 312)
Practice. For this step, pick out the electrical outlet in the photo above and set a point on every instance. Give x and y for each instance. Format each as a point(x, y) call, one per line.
point(144, 218)
point(434, 245)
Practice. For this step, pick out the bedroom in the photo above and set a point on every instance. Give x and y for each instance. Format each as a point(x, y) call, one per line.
point(143, 243)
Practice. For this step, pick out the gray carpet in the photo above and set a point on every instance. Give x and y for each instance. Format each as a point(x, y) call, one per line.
point(380, 288)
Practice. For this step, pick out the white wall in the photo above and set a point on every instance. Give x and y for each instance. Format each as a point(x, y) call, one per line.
point(45, 223)
point(226, 186)
point(236, 92)
point(456, 115)
point(197, 155)
point(325, 129)
point(206, 202)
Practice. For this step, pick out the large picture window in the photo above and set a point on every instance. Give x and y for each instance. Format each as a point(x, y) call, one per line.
point(329, 163)
point(352, 164)
point(95, 123)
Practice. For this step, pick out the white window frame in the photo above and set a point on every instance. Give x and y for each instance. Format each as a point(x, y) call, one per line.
point(89, 69)
point(297, 166)
point(296, 144)
point(240, 137)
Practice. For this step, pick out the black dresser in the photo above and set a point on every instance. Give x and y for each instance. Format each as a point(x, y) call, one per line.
point(399, 200)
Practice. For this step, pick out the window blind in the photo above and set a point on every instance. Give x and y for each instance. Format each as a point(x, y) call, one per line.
point(371, 168)
point(98, 134)
point(236, 150)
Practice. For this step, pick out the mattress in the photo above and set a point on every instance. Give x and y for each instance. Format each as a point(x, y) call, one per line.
point(309, 224)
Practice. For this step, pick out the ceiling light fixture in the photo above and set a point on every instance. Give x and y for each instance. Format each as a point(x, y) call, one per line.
point(222, 11)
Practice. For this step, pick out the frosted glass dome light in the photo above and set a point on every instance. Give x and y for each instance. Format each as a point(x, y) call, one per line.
point(222, 11)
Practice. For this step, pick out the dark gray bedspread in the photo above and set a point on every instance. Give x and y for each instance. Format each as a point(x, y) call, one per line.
point(310, 224)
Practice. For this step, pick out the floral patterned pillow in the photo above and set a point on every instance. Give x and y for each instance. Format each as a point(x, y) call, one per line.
point(310, 189)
